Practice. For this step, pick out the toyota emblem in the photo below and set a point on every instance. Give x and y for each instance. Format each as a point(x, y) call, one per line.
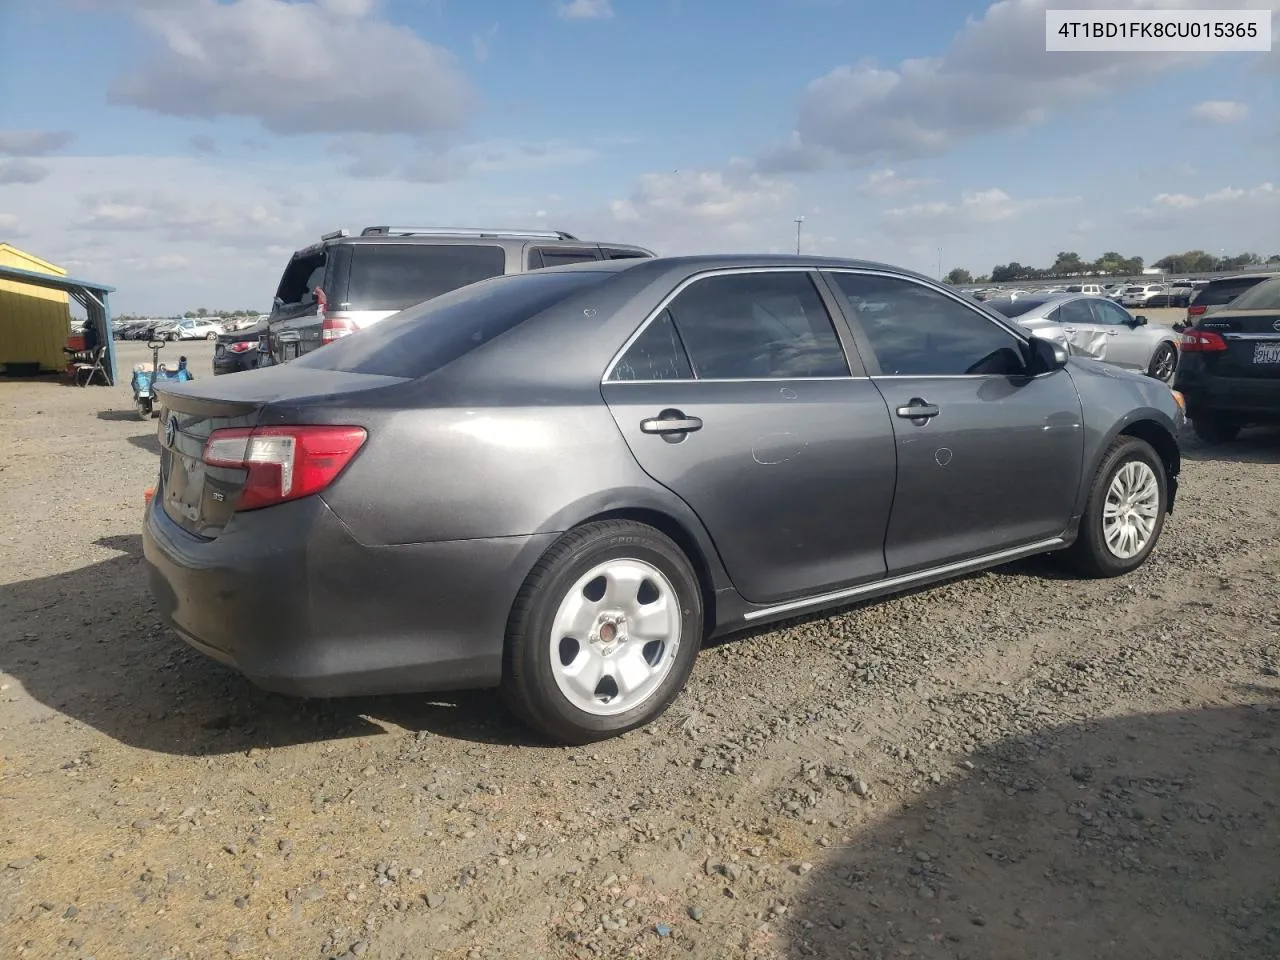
point(1275, 325)
point(170, 431)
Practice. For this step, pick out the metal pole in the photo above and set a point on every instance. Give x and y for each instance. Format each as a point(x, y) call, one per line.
point(799, 222)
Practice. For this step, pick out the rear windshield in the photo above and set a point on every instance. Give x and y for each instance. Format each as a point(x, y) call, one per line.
point(1219, 292)
point(1262, 296)
point(425, 338)
point(389, 276)
point(304, 273)
point(1016, 308)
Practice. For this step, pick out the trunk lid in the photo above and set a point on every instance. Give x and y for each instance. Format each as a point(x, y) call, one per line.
point(201, 498)
point(1253, 343)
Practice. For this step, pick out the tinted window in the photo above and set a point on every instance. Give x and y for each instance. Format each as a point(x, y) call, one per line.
point(1257, 296)
point(1016, 308)
point(1074, 288)
point(394, 276)
point(1110, 314)
point(657, 354)
point(551, 257)
point(1075, 311)
point(417, 341)
point(916, 331)
point(613, 253)
point(751, 326)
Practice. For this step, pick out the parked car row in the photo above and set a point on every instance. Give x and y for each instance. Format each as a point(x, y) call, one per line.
point(562, 480)
point(182, 329)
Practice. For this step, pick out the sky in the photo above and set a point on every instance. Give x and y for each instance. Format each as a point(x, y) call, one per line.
point(180, 150)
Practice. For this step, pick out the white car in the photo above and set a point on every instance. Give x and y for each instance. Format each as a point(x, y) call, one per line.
point(193, 329)
point(1087, 289)
point(1138, 295)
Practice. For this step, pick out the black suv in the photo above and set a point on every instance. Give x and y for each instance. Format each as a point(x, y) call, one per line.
point(343, 283)
point(1218, 293)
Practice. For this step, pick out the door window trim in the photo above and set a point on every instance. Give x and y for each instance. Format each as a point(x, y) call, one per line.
point(872, 365)
point(835, 313)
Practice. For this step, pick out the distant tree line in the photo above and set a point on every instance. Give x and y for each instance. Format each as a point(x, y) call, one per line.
point(1069, 264)
point(204, 312)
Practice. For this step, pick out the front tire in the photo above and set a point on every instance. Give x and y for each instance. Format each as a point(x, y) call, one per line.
point(1164, 363)
point(1125, 511)
point(211, 336)
point(603, 634)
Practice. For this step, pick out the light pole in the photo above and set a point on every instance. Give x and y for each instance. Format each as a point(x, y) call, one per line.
point(939, 263)
point(799, 223)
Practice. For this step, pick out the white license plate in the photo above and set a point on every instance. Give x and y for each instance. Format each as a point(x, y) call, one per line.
point(1266, 353)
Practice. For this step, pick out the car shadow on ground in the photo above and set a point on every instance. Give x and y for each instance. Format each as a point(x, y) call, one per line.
point(90, 645)
point(1149, 836)
point(1254, 445)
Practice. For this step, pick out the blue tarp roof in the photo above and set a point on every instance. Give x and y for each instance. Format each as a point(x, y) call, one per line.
point(53, 281)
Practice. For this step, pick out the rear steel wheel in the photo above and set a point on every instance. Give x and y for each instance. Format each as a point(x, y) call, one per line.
point(615, 637)
point(604, 632)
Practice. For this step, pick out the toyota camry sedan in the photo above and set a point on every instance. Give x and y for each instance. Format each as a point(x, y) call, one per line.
point(562, 483)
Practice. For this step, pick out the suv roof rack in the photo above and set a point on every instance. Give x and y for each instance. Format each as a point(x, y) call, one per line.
point(463, 232)
point(335, 235)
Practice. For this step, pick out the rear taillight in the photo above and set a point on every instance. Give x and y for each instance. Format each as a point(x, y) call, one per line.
point(1202, 341)
point(242, 346)
point(1197, 311)
point(283, 463)
point(333, 328)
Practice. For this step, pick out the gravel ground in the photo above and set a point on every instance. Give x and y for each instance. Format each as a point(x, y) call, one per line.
point(1012, 765)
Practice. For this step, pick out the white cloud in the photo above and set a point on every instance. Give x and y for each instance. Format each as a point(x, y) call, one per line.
point(1235, 202)
point(994, 76)
point(33, 143)
point(329, 66)
point(22, 171)
point(1219, 111)
point(434, 161)
point(481, 43)
point(887, 183)
point(10, 227)
point(584, 9)
point(977, 209)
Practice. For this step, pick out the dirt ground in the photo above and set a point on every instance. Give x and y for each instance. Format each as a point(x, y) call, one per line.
point(1014, 765)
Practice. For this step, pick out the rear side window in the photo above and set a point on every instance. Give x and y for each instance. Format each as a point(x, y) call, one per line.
point(1015, 308)
point(1262, 296)
point(657, 354)
point(757, 326)
point(391, 276)
point(1219, 292)
point(423, 339)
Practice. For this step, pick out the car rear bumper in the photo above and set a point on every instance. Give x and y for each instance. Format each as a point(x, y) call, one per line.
point(290, 599)
point(1248, 396)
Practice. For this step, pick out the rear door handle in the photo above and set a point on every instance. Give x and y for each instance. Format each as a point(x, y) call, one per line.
point(918, 409)
point(670, 421)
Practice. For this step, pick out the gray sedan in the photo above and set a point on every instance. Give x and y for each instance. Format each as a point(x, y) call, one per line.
point(1096, 327)
point(562, 483)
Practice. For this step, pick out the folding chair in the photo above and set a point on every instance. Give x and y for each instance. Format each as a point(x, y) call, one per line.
point(94, 367)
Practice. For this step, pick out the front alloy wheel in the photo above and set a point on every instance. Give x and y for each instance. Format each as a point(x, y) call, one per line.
point(604, 632)
point(1164, 363)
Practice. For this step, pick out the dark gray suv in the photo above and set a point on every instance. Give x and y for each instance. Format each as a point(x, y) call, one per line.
point(562, 483)
point(343, 284)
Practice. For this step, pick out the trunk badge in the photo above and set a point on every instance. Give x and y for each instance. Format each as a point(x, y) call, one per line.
point(170, 431)
point(1275, 325)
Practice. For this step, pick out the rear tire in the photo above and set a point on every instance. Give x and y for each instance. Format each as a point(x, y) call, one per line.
point(1125, 512)
point(1164, 363)
point(614, 599)
point(1215, 428)
point(211, 336)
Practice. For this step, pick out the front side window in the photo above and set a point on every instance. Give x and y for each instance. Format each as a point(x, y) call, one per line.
point(559, 256)
point(1109, 314)
point(770, 325)
point(916, 331)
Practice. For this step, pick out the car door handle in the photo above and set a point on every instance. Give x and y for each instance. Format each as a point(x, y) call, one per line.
point(918, 409)
point(670, 421)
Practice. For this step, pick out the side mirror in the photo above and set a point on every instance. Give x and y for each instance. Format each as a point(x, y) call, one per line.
point(1139, 321)
point(1179, 327)
point(1047, 356)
